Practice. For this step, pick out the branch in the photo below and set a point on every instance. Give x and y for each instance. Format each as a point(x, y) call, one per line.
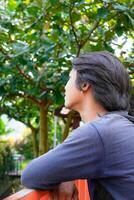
point(74, 30)
point(29, 78)
point(36, 21)
point(93, 27)
point(5, 53)
point(24, 95)
point(29, 124)
point(23, 74)
point(45, 103)
point(32, 98)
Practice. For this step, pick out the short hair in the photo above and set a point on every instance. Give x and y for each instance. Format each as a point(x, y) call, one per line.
point(108, 77)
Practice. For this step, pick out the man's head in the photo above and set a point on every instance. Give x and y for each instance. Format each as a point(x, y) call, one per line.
point(108, 78)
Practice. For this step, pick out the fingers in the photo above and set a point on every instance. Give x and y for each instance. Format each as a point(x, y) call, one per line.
point(68, 198)
point(53, 195)
point(65, 191)
point(75, 195)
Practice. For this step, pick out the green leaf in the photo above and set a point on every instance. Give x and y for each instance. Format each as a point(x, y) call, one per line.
point(108, 47)
point(120, 7)
point(2, 127)
point(109, 35)
point(12, 5)
point(44, 58)
point(33, 10)
point(47, 42)
point(19, 48)
point(130, 19)
point(54, 2)
point(119, 30)
point(75, 17)
point(43, 95)
point(102, 13)
point(58, 97)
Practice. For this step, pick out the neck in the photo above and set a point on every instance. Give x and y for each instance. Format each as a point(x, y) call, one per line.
point(90, 113)
point(88, 117)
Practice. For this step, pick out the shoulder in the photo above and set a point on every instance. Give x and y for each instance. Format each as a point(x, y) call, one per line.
point(111, 122)
point(99, 128)
point(86, 132)
point(116, 132)
point(85, 129)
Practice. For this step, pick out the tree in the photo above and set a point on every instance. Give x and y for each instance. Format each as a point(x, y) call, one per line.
point(20, 109)
point(39, 38)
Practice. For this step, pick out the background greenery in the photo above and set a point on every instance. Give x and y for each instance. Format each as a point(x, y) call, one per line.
point(37, 41)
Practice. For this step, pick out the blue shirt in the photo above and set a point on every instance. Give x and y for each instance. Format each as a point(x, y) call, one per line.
point(100, 150)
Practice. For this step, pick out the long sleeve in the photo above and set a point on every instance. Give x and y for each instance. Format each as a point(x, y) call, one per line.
point(80, 156)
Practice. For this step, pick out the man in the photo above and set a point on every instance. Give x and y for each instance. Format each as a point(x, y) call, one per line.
point(102, 150)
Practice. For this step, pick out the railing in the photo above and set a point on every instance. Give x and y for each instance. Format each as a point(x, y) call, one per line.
point(27, 194)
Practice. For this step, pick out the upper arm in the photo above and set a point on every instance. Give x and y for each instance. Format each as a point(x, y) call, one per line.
point(79, 156)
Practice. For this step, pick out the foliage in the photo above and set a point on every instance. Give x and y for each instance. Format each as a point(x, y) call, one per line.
point(25, 148)
point(3, 129)
point(6, 160)
point(39, 38)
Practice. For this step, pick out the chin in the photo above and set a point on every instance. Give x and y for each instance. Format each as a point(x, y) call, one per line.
point(67, 105)
point(70, 106)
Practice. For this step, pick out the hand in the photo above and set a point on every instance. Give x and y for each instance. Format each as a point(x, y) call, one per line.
point(64, 111)
point(65, 191)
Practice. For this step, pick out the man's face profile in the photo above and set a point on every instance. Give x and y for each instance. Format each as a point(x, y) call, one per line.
point(72, 93)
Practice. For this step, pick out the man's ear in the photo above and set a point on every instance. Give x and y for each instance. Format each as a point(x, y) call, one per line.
point(85, 86)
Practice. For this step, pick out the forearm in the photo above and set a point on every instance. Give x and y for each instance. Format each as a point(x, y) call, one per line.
point(37, 176)
point(76, 158)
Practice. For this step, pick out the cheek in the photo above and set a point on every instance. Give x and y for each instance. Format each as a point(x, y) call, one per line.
point(68, 88)
point(72, 96)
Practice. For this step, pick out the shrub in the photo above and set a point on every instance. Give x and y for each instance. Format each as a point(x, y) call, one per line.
point(6, 158)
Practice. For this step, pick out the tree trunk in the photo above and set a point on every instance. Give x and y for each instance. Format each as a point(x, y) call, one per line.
point(34, 139)
point(67, 125)
point(43, 139)
point(35, 144)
